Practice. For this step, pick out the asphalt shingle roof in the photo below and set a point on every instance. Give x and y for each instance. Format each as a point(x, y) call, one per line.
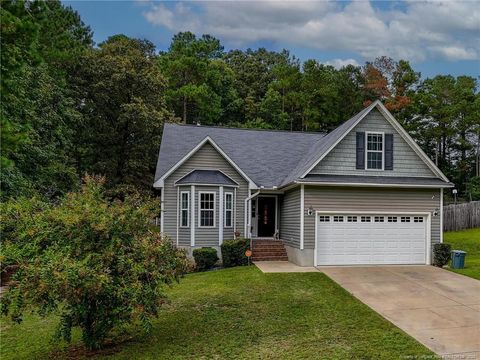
point(206, 177)
point(266, 157)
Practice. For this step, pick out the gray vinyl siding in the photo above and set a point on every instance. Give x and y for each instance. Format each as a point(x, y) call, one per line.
point(370, 199)
point(342, 159)
point(205, 158)
point(290, 218)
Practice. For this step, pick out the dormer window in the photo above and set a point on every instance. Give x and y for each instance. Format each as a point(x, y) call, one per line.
point(374, 153)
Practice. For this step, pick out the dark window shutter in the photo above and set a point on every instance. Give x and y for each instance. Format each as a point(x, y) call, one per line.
point(360, 150)
point(388, 151)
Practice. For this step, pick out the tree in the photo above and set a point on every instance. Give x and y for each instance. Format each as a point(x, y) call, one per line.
point(41, 163)
point(390, 81)
point(446, 124)
point(253, 73)
point(104, 264)
point(193, 74)
point(331, 96)
point(37, 109)
point(121, 94)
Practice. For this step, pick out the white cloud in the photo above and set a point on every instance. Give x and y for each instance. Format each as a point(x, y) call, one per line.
point(339, 63)
point(454, 53)
point(429, 29)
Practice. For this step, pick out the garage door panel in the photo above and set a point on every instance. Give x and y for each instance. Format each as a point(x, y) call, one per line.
point(382, 240)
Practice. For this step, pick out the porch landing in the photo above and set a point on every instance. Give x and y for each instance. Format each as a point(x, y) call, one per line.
point(282, 267)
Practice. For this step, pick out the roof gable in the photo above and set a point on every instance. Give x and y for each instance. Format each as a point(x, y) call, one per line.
point(337, 136)
point(341, 160)
point(207, 140)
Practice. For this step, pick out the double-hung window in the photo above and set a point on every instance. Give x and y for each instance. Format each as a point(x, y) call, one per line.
point(206, 209)
point(228, 209)
point(184, 208)
point(374, 153)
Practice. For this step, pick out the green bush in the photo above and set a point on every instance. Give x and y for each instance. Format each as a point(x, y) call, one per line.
point(97, 264)
point(233, 252)
point(441, 254)
point(205, 258)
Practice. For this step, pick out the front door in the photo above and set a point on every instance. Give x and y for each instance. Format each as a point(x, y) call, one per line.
point(266, 216)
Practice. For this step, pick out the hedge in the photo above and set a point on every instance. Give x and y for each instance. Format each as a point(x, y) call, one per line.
point(233, 252)
point(205, 258)
point(441, 254)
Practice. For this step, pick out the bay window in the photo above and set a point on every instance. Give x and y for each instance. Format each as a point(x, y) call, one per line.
point(206, 209)
point(228, 209)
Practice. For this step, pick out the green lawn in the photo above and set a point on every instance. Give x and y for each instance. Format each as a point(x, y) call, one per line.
point(241, 313)
point(469, 241)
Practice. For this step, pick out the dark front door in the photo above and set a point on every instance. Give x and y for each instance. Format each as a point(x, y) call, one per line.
point(266, 216)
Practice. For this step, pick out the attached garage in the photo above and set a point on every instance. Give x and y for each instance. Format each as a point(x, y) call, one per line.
point(372, 238)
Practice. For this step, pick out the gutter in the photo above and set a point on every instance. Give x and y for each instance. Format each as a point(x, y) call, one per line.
point(447, 185)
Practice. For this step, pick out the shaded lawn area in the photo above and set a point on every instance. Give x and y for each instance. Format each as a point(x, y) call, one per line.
point(469, 241)
point(242, 313)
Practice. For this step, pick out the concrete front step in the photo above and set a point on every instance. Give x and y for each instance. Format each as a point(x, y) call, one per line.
point(269, 258)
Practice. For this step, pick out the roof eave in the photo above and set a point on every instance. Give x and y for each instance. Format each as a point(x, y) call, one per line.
point(353, 184)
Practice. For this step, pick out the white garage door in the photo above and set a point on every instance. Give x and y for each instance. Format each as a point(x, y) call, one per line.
point(350, 239)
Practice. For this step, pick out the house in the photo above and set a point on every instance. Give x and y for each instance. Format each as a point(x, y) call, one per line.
point(364, 193)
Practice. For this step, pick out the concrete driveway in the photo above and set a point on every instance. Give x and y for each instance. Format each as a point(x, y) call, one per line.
point(439, 308)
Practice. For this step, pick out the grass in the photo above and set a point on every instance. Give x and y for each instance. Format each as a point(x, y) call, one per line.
point(241, 313)
point(469, 241)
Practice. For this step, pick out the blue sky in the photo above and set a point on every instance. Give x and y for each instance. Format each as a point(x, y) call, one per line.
point(436, 37)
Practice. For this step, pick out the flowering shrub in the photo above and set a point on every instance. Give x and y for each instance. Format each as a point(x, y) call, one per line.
point(98, 263)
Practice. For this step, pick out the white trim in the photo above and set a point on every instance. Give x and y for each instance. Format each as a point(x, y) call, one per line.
point(396, 125)
point(315, 257)
point(441, 215)
point(200, 193)
point(339, 212)
point(220, 215)
point(178, 206)
point(411, 142)
point(162, 208)
point(160, 182)
point(205, 184)
point(302, 215)
point(367, 111)
point(254, 217)
point(225, 209)
point(428, 249)
point(248, 220)
point(374, 151)
point(235, 211)
point(428, 226)
point(188, 208)
point(374, 185)
point(192, 217)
